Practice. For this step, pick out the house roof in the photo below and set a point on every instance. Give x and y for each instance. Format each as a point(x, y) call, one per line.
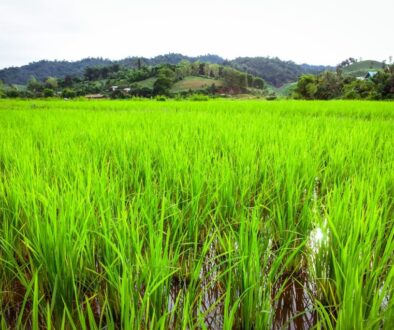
point(370, 74)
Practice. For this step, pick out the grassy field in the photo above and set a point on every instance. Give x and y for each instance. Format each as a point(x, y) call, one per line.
point(218, 214)
point(194, 83)
point(147, 83)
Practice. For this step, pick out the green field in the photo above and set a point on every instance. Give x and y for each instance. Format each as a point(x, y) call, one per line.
point(194, 83)
point(147, 83)
point(179, 214)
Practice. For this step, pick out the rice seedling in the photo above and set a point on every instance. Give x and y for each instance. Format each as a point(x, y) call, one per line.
point(179, 214)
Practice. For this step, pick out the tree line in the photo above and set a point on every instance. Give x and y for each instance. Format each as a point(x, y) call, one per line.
point(335, 85)
point(117, 81)
point(273, 70)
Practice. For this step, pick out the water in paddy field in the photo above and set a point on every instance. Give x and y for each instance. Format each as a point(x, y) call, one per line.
point(294, 308)
point(292, 295)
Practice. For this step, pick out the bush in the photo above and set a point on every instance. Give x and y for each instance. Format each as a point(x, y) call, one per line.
point(118, 94)
point(199, 97)
point(271, 97)
point(26, 94)
point(48, 92)
point(12, 93)
point(179, 97)
point(68, 93)
point(160, 98)
point(162, 86)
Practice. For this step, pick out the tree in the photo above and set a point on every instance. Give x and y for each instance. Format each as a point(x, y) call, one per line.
point(201, 69)
point(329, 86)
point(306, 87)
point(214, 70)
point(162, 86)
point(68, 93)
point(34, 86)
point(384, 84)
point(212, 89)
point(183, 69)
point(92, 73)
point(2, 93)
point(258, 83)
point(234, 80)
point(12, 92)
point(48, 92)
point(166, 72)
point(51, 83)
point(358, 89)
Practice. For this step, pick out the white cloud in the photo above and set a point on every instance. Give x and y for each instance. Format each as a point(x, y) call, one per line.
point(312, 31)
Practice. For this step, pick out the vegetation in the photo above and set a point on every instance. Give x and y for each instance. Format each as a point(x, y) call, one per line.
point(195, 83)
point(116, 81)
point(180, 77)
point(272, 70)
point(330, 85)
point(360, 69)
point(275, 71)
point(218, 214)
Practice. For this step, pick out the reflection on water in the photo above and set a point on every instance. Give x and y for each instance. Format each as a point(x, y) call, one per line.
point(292, 299)
point(294, 306)
point(211, 289)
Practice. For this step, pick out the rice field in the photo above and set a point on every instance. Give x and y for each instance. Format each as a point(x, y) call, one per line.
point(184, 215)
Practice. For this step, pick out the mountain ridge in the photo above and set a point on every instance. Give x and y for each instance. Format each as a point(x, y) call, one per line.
point(273, 70)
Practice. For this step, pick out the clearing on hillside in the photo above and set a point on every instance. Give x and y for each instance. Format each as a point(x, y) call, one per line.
point(194, 83)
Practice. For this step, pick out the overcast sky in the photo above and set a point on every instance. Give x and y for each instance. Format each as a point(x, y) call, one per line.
point(305, 31)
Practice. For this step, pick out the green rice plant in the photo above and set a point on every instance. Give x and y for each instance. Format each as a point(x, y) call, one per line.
point(178, 214)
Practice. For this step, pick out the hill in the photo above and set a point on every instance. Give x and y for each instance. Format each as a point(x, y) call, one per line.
point(116, 81)
point(43, 69)
point(284, 91)
point(60, 69)
point(361, 68)
point(273, 70)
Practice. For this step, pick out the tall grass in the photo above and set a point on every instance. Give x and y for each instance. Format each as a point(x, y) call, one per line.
point(227, 214)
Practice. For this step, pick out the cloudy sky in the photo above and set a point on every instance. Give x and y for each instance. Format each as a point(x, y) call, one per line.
point(311, 31)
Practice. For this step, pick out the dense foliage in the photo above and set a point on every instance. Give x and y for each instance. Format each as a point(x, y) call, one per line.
point(60, 69)
point(275, 71)
point(335, 85)
point(116, 81)
point(272, 70)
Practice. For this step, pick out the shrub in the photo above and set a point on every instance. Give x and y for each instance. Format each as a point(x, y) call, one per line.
point(160, 98)
point(271, 97)
point(68, 93)
point(48, 92)
point(199, 97)
point(12, 93)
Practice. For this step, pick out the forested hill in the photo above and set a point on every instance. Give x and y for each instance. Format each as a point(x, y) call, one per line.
point(60, 69)
point(273, 70)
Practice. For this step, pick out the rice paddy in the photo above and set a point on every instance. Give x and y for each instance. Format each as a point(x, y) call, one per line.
point(183, 215)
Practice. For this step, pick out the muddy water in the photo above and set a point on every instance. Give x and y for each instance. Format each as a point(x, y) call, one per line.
point(292, 299)
point(294, 307)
